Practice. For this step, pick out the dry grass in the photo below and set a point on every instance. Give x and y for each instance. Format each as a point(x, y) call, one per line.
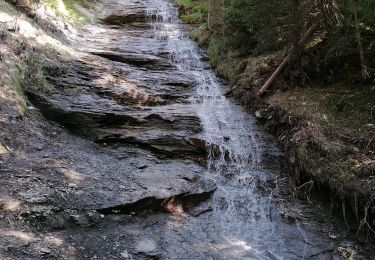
point(348, 111)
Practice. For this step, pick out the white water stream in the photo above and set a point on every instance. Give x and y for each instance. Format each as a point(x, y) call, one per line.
point(244, 222)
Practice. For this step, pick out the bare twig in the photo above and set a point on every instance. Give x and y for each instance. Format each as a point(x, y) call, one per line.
point(368, 145)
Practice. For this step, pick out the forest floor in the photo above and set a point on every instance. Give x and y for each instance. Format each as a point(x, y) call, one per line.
point(328, 135)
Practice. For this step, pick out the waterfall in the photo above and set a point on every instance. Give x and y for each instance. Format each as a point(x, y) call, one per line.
point(242, 205)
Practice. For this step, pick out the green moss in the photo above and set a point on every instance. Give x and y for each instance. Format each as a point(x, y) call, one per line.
point(214, 51)
point(71, 6)
point(201, 35)
point(17, 85)
point(193, 12)
point(187, 4)
point(195, 17)
point(34, 79)
point(230, 67)
point(29, 77)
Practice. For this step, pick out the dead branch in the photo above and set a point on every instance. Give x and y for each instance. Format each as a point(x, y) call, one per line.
point(285, 62)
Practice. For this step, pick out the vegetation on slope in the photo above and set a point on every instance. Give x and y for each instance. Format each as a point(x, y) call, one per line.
point(243, 28)
point(322, 106)
point(69, 9)
point(25, 58)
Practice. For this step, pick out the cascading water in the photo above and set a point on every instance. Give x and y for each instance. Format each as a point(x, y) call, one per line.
point(241, 210)
point(244, 223)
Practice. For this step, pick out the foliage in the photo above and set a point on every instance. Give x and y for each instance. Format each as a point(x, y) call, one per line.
point(17, 84)
point(70, 6)
point(257, 27)
point(214, 50)
point(256, 24)
point(194, 11)
point(357, 102)
point(31, 76)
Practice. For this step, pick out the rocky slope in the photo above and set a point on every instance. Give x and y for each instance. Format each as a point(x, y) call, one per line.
point(52, 180)
point(102, 154)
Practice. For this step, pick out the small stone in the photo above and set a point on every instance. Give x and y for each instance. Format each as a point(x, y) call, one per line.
point(147, 247)
point(332, 236)
point(45, 251)
point(72, 185)
point(258, 114)
point(189, 177)
point(125, 255)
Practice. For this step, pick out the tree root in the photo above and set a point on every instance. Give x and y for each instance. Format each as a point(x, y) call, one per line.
point(307, 186)
point(356, 207)
point(364, 222)
point(344, 215)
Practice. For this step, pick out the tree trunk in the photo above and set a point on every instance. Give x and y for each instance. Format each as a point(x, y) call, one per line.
point(359, 43)
point(285, 62)
point(209, 15)
point(331, 12)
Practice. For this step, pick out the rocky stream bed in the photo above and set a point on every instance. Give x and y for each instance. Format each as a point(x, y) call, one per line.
point(143, 157)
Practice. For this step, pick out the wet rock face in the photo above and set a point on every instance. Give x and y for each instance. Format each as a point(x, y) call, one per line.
point(159, 130)
point(145, 61)
point(122, 17)
point(175, 204)
point(127, 96)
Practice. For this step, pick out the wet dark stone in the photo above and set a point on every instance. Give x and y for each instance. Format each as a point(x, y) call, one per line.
point(126, 17)
point(184, 201)
point(141, 60)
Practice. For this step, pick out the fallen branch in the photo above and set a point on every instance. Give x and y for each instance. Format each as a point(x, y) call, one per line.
point(287, 59)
